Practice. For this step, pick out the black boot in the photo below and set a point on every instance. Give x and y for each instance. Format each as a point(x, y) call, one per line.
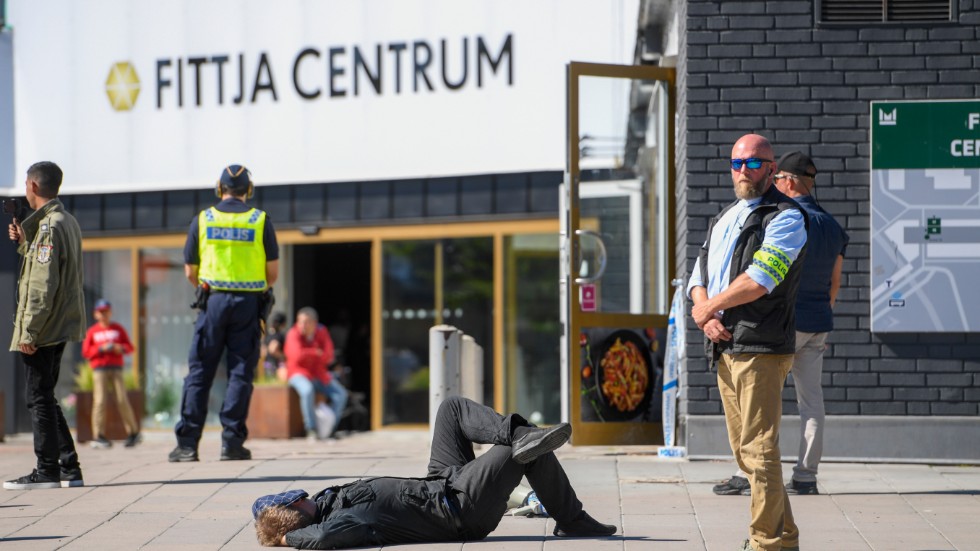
point(584, 526)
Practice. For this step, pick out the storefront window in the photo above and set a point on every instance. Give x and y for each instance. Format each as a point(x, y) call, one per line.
point(426, 283)
point(532, 331)
point(107, 276)
point(168, 325)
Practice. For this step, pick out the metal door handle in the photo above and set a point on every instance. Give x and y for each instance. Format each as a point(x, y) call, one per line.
point(602, 257)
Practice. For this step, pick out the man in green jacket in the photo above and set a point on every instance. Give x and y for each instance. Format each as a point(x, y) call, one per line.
point(50, 312)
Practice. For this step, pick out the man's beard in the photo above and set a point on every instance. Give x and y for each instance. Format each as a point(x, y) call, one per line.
point(745, 188)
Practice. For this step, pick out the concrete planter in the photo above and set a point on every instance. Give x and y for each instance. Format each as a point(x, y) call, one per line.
point(274, 413)
point(114, 427)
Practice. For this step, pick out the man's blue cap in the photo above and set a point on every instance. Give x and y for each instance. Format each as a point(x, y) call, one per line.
point(102, 304)
point(283, 499)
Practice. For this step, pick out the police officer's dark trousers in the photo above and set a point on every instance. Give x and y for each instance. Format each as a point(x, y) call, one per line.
point(230, 323)
point(484, 484)
point(52, 440)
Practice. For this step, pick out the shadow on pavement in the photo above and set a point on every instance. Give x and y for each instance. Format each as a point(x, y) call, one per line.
point(320, 479)
point(32, 538)
point(924, 493)
point(550, 537)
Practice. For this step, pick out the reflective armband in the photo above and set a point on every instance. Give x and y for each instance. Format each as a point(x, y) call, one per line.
point(772, 261)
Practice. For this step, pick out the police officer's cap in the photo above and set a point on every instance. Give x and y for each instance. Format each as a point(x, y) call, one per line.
point(236, 178)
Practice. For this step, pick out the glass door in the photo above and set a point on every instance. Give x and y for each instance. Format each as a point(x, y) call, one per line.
point(427, 283)
point(617, 251)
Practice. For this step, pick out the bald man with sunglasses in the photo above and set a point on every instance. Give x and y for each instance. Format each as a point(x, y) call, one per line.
point(744, 285)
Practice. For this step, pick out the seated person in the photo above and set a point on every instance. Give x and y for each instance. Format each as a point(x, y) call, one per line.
point(272, 355)
point(461, 499)
point(309, 351)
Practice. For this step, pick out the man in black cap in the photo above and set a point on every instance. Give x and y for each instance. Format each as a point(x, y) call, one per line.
point(819, 283)
point(232, 258)
point(461, 499)
point(821, 279)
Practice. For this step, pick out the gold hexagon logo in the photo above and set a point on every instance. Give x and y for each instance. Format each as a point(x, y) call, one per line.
point(122, 86)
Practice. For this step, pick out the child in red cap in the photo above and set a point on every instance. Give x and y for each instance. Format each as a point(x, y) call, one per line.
point(104, 346)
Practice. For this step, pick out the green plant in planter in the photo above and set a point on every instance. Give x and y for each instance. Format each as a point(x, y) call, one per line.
point(84, 379)
point(418, 380)
point(164, 399)
point(262, 379)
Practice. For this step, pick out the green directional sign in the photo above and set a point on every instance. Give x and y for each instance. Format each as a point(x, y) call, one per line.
point(925, 134)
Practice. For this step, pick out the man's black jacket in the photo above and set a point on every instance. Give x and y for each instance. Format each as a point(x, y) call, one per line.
point(380, 511)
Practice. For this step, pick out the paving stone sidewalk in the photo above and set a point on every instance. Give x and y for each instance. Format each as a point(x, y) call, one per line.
point(135, 499)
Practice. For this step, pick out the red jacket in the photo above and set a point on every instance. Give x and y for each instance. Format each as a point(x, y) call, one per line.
point(309, 357)
point(98, 337)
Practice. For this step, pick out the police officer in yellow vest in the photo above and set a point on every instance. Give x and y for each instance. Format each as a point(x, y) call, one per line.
point(231, 251)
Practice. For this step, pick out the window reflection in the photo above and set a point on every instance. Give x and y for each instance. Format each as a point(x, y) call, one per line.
point(168, 325)
point(426, 283)
point(532, 331)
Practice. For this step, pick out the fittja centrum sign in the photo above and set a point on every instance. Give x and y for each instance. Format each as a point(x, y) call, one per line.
point(336, 71)
point(157, 96)
point(926, 134)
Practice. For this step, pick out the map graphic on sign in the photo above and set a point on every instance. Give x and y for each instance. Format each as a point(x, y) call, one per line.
point(925, 223)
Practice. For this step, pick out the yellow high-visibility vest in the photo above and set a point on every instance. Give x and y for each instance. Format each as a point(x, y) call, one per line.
point(232, 250)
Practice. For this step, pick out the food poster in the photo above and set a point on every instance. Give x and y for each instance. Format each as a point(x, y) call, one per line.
point(622, 374)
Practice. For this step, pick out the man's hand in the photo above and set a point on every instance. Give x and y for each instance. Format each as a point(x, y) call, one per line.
point(16, 232)
point(703, 312)
point(715, 331)
point(28, 349)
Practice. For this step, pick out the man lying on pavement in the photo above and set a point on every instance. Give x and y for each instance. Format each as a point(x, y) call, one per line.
point(461, 499)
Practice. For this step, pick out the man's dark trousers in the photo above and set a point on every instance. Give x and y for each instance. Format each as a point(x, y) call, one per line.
point(229, 322)
point(52, 439)
point(484, 484)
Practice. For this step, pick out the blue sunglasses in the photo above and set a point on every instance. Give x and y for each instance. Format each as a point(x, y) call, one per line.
point(752, 163)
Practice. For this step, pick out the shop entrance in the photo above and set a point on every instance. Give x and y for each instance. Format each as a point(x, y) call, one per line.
point(335, 279)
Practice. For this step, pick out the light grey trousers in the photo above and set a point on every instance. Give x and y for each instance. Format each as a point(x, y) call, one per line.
point(808, 378)
point(807, 375)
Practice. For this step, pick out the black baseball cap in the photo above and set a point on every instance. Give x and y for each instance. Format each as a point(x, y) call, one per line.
point(795, 162)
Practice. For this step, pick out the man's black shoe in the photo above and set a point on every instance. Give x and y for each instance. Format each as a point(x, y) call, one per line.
point(795, 487)
point(72, 478)
point(240, 453)
point(181, 455)
point(584, 526)
point(133, 439)
point(33, 481)
point(532, 442)
point(734, 486)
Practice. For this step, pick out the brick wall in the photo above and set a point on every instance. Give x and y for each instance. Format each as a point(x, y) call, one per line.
point(768, 67)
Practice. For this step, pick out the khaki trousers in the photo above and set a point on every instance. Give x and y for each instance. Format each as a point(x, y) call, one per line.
point(110, 379)
point(751, 392)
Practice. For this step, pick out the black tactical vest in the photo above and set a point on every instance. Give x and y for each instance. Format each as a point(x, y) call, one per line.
point(768, 324)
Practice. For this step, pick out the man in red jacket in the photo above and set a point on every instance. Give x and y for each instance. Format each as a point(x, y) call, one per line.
point(309, 351)
point(104, 346)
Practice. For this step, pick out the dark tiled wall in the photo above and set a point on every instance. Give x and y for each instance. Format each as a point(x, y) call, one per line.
point(770, 67)
point(528, 194)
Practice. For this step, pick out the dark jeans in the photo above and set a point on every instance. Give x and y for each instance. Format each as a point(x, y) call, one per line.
point(52, 440)
point(484, 484)
point(229, 323)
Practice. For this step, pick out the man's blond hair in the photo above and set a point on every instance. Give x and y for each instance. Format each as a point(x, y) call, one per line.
point(275, 522)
